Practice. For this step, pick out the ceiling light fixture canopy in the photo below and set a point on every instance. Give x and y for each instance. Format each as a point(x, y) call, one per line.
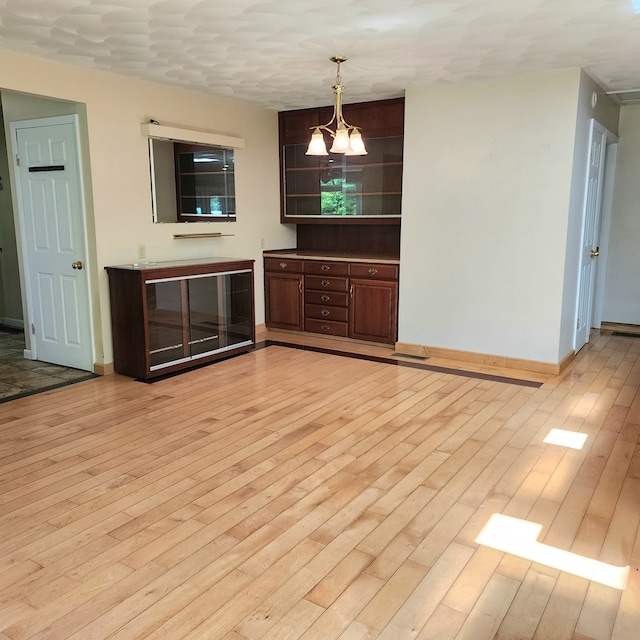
point(347, 139)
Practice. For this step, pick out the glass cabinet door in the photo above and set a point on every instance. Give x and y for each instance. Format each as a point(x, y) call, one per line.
point(236, 299)
point(340, 186)
point(166, 322)
point(195, 316)
point(204, 323)
point(220, 312)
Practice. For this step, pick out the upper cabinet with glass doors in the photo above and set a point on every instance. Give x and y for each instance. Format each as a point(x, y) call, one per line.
point(338, 188)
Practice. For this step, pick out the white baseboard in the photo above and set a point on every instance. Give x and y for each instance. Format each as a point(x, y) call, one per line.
point(16, 323)
point(27, 354)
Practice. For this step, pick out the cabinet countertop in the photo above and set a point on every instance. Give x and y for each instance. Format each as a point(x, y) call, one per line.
point(337, 256)
point(145, 265)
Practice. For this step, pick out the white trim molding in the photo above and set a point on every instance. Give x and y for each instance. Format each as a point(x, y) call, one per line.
point(151, 130)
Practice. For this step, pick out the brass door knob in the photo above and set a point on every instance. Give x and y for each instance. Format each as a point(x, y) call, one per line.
point(77, 265)
point(595, 253)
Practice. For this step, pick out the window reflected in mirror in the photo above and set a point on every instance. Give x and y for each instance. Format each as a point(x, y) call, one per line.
point(191, 182)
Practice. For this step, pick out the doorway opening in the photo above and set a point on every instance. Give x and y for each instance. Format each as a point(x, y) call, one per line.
point(16, 292)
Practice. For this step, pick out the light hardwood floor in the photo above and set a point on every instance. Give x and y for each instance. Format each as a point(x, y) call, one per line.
point(291, 494)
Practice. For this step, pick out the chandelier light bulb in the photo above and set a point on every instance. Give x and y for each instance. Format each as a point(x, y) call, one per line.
point(317, 146)
point(341, 141)
point(357, 143)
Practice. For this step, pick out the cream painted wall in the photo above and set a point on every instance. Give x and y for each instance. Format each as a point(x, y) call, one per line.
point(119, 194)
point(622, 289)
point(486, 193)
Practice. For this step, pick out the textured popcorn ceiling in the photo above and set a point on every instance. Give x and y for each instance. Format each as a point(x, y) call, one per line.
point(275, 52)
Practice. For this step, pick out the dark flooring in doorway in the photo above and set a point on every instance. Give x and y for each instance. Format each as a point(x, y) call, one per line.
point(20, 377)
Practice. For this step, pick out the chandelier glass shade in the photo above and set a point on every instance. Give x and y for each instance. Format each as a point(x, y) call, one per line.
point(347, 138)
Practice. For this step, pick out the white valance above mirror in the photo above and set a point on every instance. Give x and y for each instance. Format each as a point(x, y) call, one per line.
point(151, 130)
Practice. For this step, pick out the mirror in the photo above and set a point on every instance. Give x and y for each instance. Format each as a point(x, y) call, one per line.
point(191, 182)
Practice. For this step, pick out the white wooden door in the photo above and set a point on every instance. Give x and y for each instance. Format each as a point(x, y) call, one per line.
point(589, 250)
point(51, 205)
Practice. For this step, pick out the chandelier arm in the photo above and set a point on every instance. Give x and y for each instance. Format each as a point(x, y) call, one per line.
point(323, 126)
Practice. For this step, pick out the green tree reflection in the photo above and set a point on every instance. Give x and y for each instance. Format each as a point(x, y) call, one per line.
point(337, 198)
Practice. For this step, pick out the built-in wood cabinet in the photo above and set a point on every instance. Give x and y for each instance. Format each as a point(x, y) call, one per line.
point(326, 297)
point(283, 293)
point(169, 316)
point(337, 188)
point(350, 298)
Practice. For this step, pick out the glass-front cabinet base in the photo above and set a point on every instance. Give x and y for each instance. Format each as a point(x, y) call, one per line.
point(172, 315)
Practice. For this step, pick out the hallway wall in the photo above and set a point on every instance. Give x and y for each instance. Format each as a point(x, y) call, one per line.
point(10, 298)
point(622, 288)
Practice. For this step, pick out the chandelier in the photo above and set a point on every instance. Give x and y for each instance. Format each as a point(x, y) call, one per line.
point(346, 138)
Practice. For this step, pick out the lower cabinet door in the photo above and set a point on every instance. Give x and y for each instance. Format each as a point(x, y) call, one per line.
point(220, 312)
point(373, 310)
point(167, 322)
point(284, 300)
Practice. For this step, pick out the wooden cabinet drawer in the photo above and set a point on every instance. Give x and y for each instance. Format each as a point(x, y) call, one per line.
point(333, 298)
point(325, 312)
point(326, 283)
point(283, 265)
point(328, 327)
point(377, 271)
point(326, 268)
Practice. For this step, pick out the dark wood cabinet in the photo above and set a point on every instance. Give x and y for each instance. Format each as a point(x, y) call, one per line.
point(339, 188)
point(350, 299)
point(326, 297)
point(283, 282)
point(373, 310)
point(169, 316)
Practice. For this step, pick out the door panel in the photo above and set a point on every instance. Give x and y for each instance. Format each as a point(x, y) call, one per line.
point(590, 234)
point(52, 211)
point(373, 310)
point(284, 300)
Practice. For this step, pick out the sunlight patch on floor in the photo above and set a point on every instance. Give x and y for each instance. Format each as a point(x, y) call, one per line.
point(519, 537)
point(563, 438)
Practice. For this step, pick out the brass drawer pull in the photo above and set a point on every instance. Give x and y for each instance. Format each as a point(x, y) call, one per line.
point(324, 327)
point(283, 265)
point(325, 283)
point(325, 267)
point(325, 298)
point(325, 312)
point(373, 271)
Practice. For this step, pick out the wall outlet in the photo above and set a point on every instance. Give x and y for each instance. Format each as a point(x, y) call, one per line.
point(142, 252)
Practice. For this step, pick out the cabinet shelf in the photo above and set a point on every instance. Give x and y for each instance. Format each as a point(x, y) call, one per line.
point(207, 195)
point(351, 167)
point(349, 194)
point(206, 173)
